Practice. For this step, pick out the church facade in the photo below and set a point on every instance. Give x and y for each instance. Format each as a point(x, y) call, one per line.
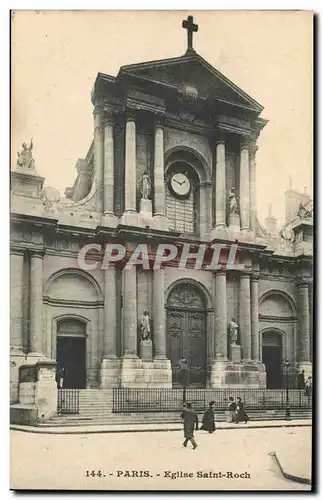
point(172, 162)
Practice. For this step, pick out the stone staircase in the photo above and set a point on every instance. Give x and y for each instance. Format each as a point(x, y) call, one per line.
point(95, 408)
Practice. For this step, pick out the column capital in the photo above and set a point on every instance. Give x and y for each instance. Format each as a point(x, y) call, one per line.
point(246, 273)
point(131, 113)
point(98, 120)
point(37, 254)
point(253, 148)
point(220, 272)
point(220, 139)
point(255, 276)
point(159, 118)
point(303, 284)
point(244, 142)
point(17, 251)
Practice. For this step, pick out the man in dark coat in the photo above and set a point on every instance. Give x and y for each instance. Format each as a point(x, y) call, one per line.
point(190, 420)
point(301, 380)
point(208, 419)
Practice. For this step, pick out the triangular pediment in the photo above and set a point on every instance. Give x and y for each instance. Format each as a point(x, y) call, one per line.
point(191, 69)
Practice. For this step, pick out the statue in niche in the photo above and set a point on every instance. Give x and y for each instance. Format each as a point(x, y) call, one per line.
point(145, 326)
point(233, 331)
point(233, 203)
point(145, 188)
point(25, 157)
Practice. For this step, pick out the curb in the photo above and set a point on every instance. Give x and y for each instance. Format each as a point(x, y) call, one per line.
point(109, 430)
point(291, 477)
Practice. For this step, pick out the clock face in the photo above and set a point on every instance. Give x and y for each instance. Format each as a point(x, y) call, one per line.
point(180, 184)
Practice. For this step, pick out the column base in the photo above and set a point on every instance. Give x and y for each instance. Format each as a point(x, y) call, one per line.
point(246, 235)
point(110, 373)
point(129, 218)
point(219, 232)
point(227, 374)
point(139, 373)
point(17, 358)
point(306, 366)
point(160, 223)
point(110, 220)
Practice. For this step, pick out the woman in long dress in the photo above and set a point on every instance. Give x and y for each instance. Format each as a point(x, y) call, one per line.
point(208, 423)
point(241, 415)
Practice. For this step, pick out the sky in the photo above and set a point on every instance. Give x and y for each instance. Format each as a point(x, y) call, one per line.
point(56, 56)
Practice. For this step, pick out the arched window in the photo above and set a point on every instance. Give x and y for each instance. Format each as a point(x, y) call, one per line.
point(182, 198)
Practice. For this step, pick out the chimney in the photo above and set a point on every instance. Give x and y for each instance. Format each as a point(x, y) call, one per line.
point(271, 223)
point(293, 199)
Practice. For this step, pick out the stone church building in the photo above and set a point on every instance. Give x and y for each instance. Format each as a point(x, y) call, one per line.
point(172, 160)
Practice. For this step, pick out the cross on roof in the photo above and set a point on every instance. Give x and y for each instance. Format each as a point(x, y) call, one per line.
point(191, 28)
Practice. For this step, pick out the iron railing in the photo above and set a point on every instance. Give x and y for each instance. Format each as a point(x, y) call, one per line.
point(133, 400)
point(68, 401)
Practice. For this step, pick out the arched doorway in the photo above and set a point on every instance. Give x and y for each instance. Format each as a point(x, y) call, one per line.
point(186, 333)
point(272, 357)
point(71, 352)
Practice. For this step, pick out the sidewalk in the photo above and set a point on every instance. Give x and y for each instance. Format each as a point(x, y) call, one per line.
point(113, 428)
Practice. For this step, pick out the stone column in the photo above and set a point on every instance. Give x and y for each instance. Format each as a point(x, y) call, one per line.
point(111, 364)
point(244, 186)
point(255, 353)
point(130, 313)
point(244, 316)
point(304, 323)
point(36, 304)
point(16, 307)
point(220, 196)
point(252, 187)
point(159, 314)
point(130, 213)
point(110, 310)
point(108, 166)
point(98, 157)
point(220, 317)
point(159, 220)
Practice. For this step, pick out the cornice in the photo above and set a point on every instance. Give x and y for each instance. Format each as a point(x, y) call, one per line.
point(74, 303)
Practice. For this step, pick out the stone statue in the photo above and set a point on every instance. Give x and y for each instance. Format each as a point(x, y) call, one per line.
point(233, 203)
point(145, 323)
point(145, 186)
point(302, 212)
point(233, 331)
point(25, 157)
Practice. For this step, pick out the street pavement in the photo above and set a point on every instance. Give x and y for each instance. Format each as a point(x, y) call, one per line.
point(230, 459)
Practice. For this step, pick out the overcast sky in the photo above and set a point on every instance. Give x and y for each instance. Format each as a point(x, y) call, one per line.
point(56, 56)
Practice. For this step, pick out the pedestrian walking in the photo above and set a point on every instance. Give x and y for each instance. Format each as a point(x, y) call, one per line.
point(240, 414)
point(182, 414)
point(208, 423)
point(232, 410)
point(190, 420)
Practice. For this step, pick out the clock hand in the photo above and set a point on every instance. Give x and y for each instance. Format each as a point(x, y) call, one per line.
point(177, 182)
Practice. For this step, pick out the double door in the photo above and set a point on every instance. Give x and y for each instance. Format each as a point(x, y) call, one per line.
point(186, 338)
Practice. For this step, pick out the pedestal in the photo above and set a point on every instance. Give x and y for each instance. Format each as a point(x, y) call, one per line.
point(37, 393)
point(307, 367)
point(17, 358)
point(235, 353)
point(227, 374)
point(234, 221)
point(139, 373)
point(146, 350)
point(145, 214)
point(110, 373)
